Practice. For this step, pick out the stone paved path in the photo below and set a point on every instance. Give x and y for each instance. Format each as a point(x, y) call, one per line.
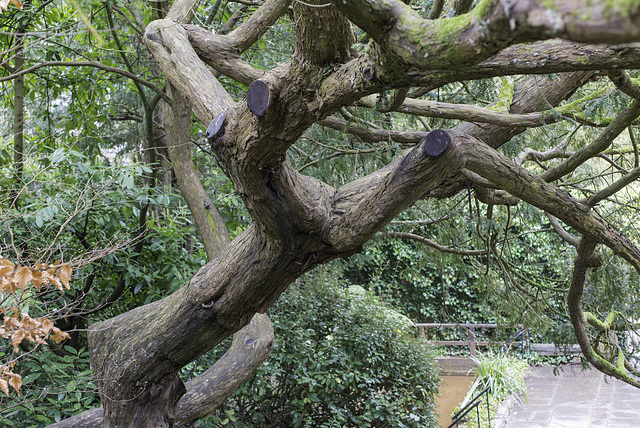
point(576, 399)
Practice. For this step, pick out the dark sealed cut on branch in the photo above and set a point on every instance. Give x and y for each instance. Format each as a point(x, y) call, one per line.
point(215, 127)
point(258, 97)
point(436, 143)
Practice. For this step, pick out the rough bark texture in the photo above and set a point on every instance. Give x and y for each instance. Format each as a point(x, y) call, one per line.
point(207, 218)
point(301, 222)
point(250, 347)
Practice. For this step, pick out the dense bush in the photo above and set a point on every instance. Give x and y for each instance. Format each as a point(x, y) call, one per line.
point(54, 388)
point(341, 358)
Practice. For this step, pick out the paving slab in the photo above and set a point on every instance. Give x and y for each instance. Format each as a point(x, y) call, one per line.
point(575, 398)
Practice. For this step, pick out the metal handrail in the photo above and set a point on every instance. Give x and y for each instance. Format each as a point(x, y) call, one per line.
point(473, 404)
point(519, 333)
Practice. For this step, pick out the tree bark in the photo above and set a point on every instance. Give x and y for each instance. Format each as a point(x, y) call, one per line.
point(207, 218)
point(250, 347)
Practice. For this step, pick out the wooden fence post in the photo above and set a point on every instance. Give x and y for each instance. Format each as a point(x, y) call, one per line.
point(472, 340)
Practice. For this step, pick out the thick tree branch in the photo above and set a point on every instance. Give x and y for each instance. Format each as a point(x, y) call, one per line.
point(170, 47)
point(488, 163)
point(551, 56)
point(206, 392)
point(207, 218)
point(466, 112)
point(490, 27)
point(623, 82)
point(254, 27)
point(367, 204)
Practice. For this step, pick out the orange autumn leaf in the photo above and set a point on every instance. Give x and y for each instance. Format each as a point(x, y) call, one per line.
point(56, 282)
point(64, 273)
point(6, 267)
point(22, 276)
point(59, 335)
point(37, 279)
point(4, 4)
point(16, 338)
point(7, 285)
point(15, 381)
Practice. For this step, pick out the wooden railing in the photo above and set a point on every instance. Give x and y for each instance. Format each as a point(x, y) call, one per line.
point(471, 341)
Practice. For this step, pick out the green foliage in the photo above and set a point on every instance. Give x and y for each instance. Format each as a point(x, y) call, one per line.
point(504, 375)
point(341, 358)
point(55, 386)
point(429, 287)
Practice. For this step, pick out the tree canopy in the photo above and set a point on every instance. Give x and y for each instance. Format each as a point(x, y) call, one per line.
point(302, 130)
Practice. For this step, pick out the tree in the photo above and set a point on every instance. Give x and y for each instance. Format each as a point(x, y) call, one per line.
point(300, 222)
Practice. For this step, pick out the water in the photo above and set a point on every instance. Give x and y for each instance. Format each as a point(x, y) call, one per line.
point(452, 392)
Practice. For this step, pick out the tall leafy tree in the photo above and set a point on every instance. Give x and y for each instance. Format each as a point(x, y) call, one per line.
point(403, 55)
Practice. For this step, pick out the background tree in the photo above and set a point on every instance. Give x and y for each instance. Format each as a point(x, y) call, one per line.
point(560, 123)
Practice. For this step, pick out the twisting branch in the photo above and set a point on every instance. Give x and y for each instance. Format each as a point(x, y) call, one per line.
point(585, 260)
point(94, 64)
point(603, 141)
point(566, 236)
point(613, 188)
point(501, 171)
point(373, 135)
point(433, 244)
point(622, 82)
point(490, 27)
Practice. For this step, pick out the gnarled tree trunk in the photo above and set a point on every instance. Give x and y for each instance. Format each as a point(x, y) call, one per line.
point(301, 222)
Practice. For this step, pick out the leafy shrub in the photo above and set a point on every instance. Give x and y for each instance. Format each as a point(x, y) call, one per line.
point(54, 387)
point(341, 359)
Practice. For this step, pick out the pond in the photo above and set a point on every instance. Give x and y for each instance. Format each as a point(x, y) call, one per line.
point(452, 392)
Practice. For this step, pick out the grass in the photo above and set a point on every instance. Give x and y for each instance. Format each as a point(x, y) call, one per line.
point(504, 375)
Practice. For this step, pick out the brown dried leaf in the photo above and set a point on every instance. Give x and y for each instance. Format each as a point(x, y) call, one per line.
point(22, 276)
point(7, 285)
point(17, 3)
point(6, 267)
point(57, 283)
point(16, 338)
point(36, 279)
point(64, 273)
point(4, 385)
point(59, 335)
point(15, 381)
point(46, 325)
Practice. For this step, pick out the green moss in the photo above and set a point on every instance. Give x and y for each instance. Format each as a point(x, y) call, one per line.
point(505, 97)
point(619, 7)
point(212, 222)
point(576, 106)
point(449, 26)
point(446, 31)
